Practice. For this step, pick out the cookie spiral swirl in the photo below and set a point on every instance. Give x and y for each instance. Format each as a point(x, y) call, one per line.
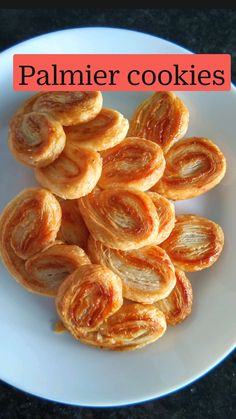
point(88, 297)
point(36, 139)
point(147, 274)
point(120, 218)
point(162, 118)
point(132, 327)
point(178, 305)
point(195, 243)
point(193, 166)
point(28, 224)
point(134, 163)
point(106, 130)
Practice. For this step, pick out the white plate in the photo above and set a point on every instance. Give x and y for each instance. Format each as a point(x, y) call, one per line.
point(35, 359)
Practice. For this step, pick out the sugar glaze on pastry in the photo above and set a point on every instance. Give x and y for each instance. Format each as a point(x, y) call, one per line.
point(178, 305)
point(166, 213)
point(29, 223)
point(134, 163)
point(195, 243)
point(193, 166)
point(120, 218)
point(162, 118)
point(88, 297)
point(69, 108)
point(132, 327)
point(147, 274)
point(36, 139)
point(47, 269)
point(73, 229)
point(106, 130)
point(74, 174)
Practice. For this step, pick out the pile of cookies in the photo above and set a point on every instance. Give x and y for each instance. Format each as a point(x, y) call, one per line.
point(101, 235)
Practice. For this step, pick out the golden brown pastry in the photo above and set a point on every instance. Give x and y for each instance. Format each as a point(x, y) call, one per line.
point(134, 163)
point(73, 229)
point(132, 327)
point(59, 327)
point(147, 274)
point(69, 108)
point(74, 174)
point(88, 297)
point(193, 166)
point(162, 118)
point(46, 270)
point(36, 139)
point(195, 243)
point(29, 223)
point(166, 213)
point(105, 131)
point(178, 305)
point(120, 218)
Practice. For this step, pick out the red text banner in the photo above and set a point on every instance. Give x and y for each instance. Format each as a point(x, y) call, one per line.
point(130, 72)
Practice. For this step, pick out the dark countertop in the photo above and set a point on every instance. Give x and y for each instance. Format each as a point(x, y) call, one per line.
point(202, 31)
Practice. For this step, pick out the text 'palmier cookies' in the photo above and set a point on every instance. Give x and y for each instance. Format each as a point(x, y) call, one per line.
point(88, 297)
point(74, 174)
point(147, 274)
point(162, 118)
point(132, 327)
point(178, 305)
point(193, 166)
point(166, 213)
point(47, 269)
point(73, 229)
point(69, 108)
point(134, 163)
point(28, 224)
point(195, 243)
point(36, 139)
point(120, 218)
point(106, 130)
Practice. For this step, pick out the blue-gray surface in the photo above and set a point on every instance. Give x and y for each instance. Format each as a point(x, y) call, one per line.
point(206, 31)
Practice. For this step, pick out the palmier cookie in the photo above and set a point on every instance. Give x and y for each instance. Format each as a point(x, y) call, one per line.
point(135, 163)
point(193, 166)
point(178, 305)
point(73, 229)
point(46, 270)
point(88, 297)
point(147, 274)
point(36, 139)
point(195, 243)
point(106, 130)
point(68, 108)
point(28, 224)
point(120, 218)
point(132, 327)
point(74, 174)
point(166, 213)
point(162, 118)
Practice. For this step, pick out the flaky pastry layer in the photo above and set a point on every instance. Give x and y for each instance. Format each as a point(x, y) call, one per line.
point(88, 297)
point(74, 174)
point(195, 243)
point(134, 163)
point(193, 166)
point(178, 305)
point(28, 224)
point(132, 327)
point(106, 130)
point(46, 270)
point(166, 213)
point(147, 274)
point(120, 218)
point(162, 118)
